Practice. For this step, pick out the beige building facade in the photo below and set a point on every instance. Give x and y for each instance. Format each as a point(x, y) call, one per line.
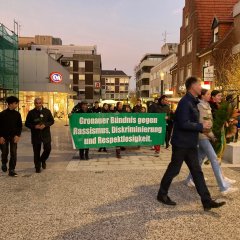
point(162, 71)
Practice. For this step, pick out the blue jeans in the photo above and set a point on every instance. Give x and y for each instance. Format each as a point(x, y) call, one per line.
point(206, 150)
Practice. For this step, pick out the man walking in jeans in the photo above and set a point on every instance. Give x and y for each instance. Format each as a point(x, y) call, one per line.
point(10, 132)
point(39, 121)
point(185, 147)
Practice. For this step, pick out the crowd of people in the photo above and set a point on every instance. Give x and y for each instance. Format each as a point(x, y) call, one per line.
point(160, 105)
point(199, 128)
point(196, 131)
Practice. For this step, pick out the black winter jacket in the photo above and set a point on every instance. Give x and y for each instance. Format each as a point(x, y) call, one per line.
point(186, 123)
point(36, 117)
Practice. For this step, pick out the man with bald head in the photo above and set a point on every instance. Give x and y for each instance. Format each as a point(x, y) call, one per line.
point(39, 121)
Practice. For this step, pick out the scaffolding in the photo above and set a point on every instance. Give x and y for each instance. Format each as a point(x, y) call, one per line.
point(9, 83)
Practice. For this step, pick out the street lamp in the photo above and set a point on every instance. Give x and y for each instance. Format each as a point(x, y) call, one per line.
point(162, 82)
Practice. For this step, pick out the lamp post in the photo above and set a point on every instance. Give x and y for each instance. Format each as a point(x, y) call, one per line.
point(162, 82)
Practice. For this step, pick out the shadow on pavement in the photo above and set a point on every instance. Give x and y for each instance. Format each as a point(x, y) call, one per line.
point(128, 218)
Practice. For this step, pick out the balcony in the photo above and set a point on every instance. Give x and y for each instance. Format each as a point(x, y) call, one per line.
point(145, 88)
point(145, 75)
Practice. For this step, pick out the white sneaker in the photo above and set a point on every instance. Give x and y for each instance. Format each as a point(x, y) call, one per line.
point(229, 191)
point(231, 181)
point(190, 183)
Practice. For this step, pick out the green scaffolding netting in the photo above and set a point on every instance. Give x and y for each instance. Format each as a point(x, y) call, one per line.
point(9, 83)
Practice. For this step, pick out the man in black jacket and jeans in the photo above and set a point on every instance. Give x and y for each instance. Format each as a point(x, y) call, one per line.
point(185, 147)
point(10, 132)
point(39, 121)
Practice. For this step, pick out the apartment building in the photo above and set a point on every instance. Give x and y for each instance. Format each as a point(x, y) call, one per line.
point(160, 75)
point(114, 85)
point(197, 33)
point(84, 66)
point(142, 73)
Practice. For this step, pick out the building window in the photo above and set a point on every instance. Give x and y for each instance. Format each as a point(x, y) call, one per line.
point(88, 92)
point(81, 77)
point(71, 76)
point(89, 79)
point(89, 66)
point(122, 80)
point(215, 34)
point(189, 70)
point(117, 81)
point(189, 45)
point(181, 76)
point(75, 78)
point(183, 49)
point(81, 64)
point(71, 64)
point(75, 66)
point(186, 20)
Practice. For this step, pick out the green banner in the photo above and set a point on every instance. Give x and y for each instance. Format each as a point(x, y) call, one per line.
point(95, 130)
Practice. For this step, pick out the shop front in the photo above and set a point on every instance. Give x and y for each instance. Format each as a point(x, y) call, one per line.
point(42, 77)
point(60, 104)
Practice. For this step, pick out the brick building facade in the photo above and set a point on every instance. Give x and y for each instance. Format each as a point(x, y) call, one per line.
point(206, 23)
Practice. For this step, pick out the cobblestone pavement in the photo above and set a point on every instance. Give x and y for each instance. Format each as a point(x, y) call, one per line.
point(108, 199)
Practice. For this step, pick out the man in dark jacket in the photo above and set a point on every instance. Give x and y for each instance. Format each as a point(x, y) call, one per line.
point(137, 108)
point(10, 132)
point(39, 121)
point(83, 152)
point(96, 108)
point(185, 141)
point(165, 108)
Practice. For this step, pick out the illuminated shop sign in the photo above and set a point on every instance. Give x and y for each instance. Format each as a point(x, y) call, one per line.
point(56, 77)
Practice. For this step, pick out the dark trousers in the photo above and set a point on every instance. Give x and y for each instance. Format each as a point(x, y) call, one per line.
point(38, 157)
point(190, 156)
point(83, 152)
point(169, 129)
point(13, 153)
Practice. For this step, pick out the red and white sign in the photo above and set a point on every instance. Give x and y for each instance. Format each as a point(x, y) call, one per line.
point(97, 85)
point(56, 77)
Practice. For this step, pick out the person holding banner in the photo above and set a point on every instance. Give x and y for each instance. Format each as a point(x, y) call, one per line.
point(185, 147)
point(105, 109)
point(155, 108)
point(119, 109)
point(137, 108)
point(96, 108)
point(84, 153)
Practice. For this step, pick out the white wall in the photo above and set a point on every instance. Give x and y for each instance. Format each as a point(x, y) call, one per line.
point(34, 71)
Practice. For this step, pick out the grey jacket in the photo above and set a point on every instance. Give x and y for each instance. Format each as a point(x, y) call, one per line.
point(205, 112)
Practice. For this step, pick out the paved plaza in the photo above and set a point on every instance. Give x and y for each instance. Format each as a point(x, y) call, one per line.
point(107, 198)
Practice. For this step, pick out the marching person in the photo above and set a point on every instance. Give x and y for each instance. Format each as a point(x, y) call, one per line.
point(39, 120)
point(205, 148)
point(96, 108)
point(165, 108)
point(185, 146)
point(10, 132)
point(137, 108)
point(119, 109)
point(156, 108)
point(105, 109)
point(83, 152)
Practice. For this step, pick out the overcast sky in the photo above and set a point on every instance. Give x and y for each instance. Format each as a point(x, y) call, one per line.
point(123, 30)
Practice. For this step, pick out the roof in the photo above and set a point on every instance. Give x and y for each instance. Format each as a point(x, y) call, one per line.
point(113, 73)
point(208, 10)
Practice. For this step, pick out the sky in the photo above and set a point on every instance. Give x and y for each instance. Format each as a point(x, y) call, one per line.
point(123, 30)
